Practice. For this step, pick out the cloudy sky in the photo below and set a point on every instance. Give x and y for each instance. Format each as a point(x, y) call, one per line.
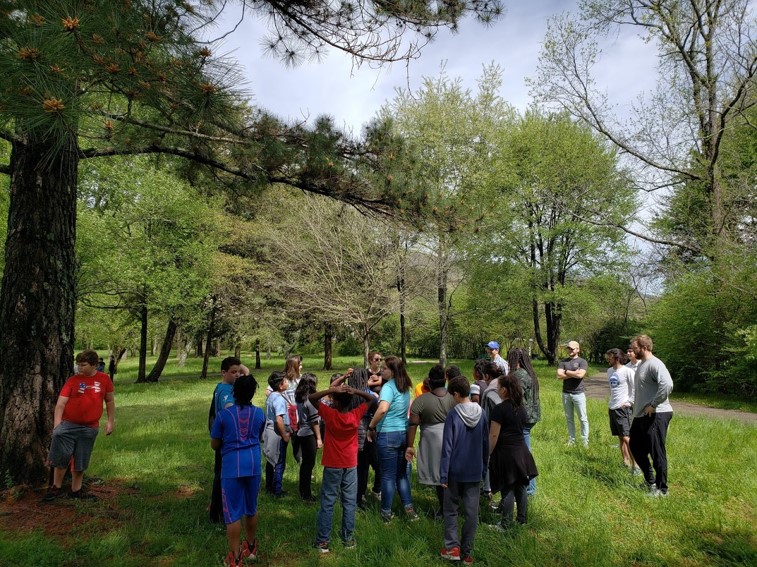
point(353, 96)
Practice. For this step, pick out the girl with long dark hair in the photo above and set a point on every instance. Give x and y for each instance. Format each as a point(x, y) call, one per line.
point(511, 465)
point(389, 424)
point(520, 366)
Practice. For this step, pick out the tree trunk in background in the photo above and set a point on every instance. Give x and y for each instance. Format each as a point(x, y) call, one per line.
point(257, 354)
point(165, 352)
point(199, 348)
point(366, 344)
point(141, 374)
point(209, 338)
point(403, 303)
point(238, 350)
point(328, 346)
point(37, 303)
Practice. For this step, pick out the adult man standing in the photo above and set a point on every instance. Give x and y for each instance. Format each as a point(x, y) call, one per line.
point(572, 371)
point(652, 413)
point(492, 348)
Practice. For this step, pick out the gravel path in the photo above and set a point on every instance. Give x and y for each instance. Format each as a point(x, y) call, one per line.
point(597, 387)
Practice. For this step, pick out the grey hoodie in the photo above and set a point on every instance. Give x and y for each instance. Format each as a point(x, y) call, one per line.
point(470, 413)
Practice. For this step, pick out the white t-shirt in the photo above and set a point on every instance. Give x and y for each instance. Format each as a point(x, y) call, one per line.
point(621, 387)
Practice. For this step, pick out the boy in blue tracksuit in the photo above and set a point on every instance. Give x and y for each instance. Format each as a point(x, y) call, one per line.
point(465, 457)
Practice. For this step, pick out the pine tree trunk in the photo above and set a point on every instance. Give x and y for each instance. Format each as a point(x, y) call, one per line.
point(165, 352)
point(37, 303)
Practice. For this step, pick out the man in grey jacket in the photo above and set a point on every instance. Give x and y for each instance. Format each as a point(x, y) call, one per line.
point(652, 413)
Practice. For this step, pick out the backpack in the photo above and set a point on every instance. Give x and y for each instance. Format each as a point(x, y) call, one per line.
point(294, 417)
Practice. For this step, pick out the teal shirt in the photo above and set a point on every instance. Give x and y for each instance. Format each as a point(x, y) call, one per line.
point(399, 403)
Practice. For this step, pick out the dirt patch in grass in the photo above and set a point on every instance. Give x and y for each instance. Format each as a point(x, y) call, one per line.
point(22, 511)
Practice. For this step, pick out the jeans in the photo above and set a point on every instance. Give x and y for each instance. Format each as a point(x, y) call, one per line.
point(577, 402)
point(391, 450)
point(336, 483)
point(527, 435)
point(308, 448)
point(648, 436)
point(468, 493)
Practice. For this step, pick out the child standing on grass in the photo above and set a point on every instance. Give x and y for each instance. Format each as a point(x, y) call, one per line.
point(339, 460)
point(77, 422)
point(236, 434)
point(277, 435)
point(511, 466)
point(465, 454)
point(223, 397)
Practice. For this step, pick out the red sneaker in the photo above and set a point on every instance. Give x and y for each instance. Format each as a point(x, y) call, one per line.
point(249, 552)
point(452, 554)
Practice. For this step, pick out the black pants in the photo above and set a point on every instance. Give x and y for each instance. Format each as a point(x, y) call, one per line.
point(648, 435)
point(366, 458)
point(514, 497)
point(215, 511)
point(308, 448)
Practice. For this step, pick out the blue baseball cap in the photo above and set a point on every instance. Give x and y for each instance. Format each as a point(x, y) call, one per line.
point(492, 345)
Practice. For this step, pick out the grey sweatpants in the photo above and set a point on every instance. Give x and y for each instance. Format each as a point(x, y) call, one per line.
point(467, 493)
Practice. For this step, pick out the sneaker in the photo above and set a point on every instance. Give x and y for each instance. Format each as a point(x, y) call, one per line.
point(249, 552)
point(636, 471)
point(495, 505)
point(467, 560)
point(82, 495)
point(376, 494)
point(498, 528)
point(350, 544)
point(387, 517)
point(53, 493)
point(322, 546)
point(230, 560)
point(411, 514)
point(451, 554)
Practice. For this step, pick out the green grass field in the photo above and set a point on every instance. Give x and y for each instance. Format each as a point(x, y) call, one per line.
point(588, 510)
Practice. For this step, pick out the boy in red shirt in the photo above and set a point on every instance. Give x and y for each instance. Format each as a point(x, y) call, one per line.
point(339, 459)
point(77, 423)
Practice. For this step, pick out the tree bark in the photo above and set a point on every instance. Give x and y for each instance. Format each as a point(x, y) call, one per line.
point(142, 372)
point(328, 346)
point(165, 352)
point(403, 304)
point(441, 288)
point(37, 303)
point(366, 344)
point(209, 338)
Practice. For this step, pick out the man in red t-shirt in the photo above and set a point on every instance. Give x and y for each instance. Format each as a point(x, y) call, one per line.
point(339, 459)
point(77, 423)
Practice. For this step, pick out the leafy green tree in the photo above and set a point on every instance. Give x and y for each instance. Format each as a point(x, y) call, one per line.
point(449, 133)
point(155, 248)
point(94, 78)
point(555, 175)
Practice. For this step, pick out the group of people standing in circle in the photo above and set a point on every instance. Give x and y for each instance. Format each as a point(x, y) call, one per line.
point(469, 434)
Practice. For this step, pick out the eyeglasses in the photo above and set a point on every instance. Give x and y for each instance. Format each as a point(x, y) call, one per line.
point(377, 359)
